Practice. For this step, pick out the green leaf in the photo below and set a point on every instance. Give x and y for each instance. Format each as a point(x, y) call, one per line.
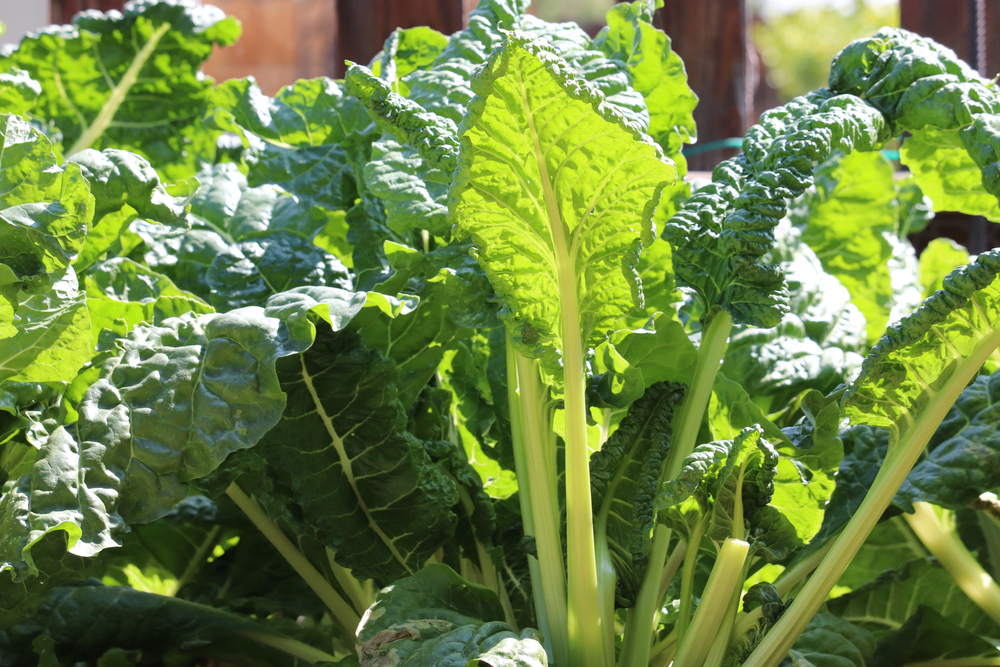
point(18, 91)
point(656, 72)
point(309, 140)
point(724, 230)
point(928, 636)
point(365, 486)
point(684, 502)
point(435, 617)
point(45, 210)
point(815, 346)
point(557, 197)
point(183, 256)
point(248, 273)
point(405, 51)
point(120, 289)
point(412, 164)
point(846, 222)
point(938, 259)
point(964, 453)
point(624, 478)
point(128, 80)
point(118, 178)
point(888, 601)
point(946, 173)
point(829, 641)
point(86, 621)
point(52, 336)
point(891, 542)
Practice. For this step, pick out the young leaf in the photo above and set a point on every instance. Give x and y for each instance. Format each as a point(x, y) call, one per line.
point(405, 51)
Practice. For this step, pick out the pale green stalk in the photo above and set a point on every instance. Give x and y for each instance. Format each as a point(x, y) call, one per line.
point(104, 117)
point(341, 611)
point(673, 564)
point(350, 584)
point(197, 560)
point(687, 582)
point(290, 646)
point(607, 580)
point(956, 662)
point(547, 583)
point(682, 442)
point(715, 609)
point(903, 455)
point(940, 537)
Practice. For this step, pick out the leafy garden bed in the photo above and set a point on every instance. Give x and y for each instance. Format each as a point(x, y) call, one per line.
point(447, 364)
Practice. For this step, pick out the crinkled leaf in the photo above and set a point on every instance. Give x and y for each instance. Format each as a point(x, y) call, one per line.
point(946, 173)
point(183, 256)
point(927, 636)
point(624, 478)
point(86, 621)
point(18, 91)
point(553, 192)
point(305, 140)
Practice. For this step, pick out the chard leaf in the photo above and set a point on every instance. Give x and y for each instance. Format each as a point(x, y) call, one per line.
point(45, 210)
point(436, 617)
point(928, 636)
point(118, 178)
point(412, 164)
point(888, 601)
point(891, 542)
point(247, 273)
point(723, 231)
point(405, 51)
point(809, 453)
point(946, 173)
point(815, 346)
point(684, 503)
point(18, 91)
point(307, 141)
point(129, 80)
point(184, 257)
point(52, 336)
point(365, 486)
point(557, 193)
point(624, 476)
point(662, 353)
point(120, 289)
point(84, 622)
point(846, 221)
point(444, 88)
point(963, 460)
point(750, 465)
point(829, 641)
point(656, 72)
point(937, 260)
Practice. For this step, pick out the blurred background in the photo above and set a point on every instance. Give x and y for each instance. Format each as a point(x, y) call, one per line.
point(743, 57)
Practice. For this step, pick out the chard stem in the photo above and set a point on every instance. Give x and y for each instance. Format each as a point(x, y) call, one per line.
point(350, 584)
point(902, 456)
point(290, 646)
point(538, 513)
point(197, 560)
point(943, 542)
point(687, 582)
point(674, 563)
point(682, 443)
point(716, 608)
point(341, 611)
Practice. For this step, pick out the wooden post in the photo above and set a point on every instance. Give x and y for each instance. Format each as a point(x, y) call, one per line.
point(971, 28)
point(711, 37)
point(63, 11)
point(363, 25)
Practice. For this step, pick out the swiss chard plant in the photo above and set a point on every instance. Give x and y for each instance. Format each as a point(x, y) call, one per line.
point(450, 363)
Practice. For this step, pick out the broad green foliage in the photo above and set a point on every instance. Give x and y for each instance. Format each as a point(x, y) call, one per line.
point(415, 331)
point(533, 194)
